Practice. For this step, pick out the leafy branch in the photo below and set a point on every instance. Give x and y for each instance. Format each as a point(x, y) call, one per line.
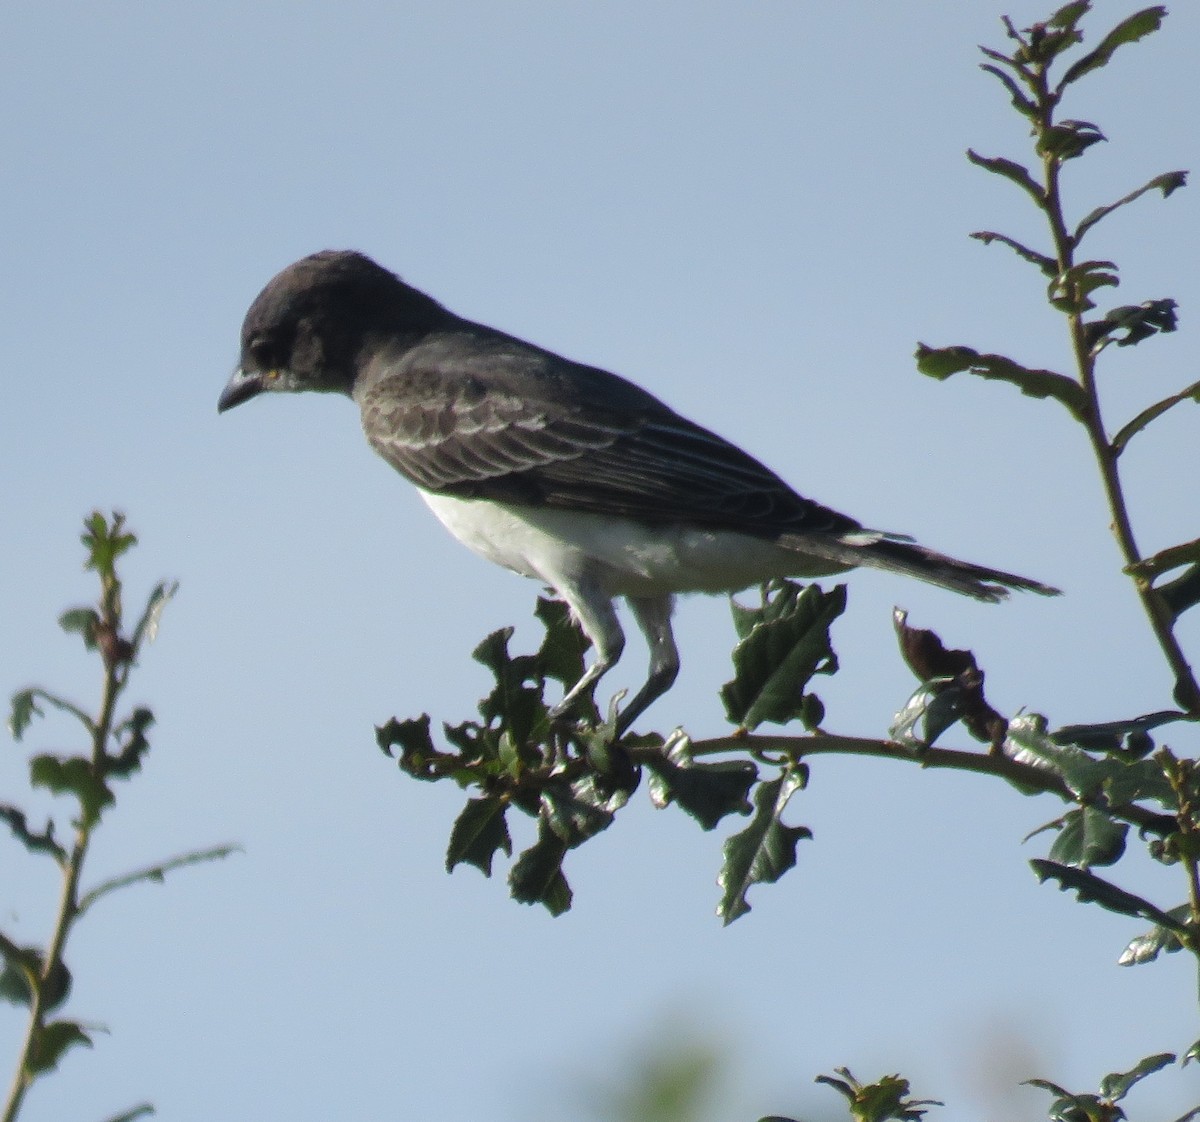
point(38, 977)
point(1032, 73)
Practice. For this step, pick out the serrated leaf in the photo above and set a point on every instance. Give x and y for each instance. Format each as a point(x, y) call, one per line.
point(1129, 30)
point(573, 819)
point(44, 842)
point(50, 1042)
point(1091, 889)
point(561, 655)
point(1010, 170)
point(1027, 741)
point(24, 709)
point(1158, 940)
point(765, 850)
point(478, 832)
point(942, 362)
point(537, 877)
point(1045, 265)
point(1166, 183)
point(132, 744)
point(418, 756)
point(708, 792)
point(1089, 837)
point(83, 622)
point(105, 542)
point(72, 776)
point(1116, 1085)
point(780, 652)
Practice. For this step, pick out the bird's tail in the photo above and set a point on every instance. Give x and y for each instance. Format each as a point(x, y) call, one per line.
point(898, 555)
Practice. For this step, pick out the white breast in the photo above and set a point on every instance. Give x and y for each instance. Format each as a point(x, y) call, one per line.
point(626, 558)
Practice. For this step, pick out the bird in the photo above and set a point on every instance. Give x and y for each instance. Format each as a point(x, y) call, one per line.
point(557, 470)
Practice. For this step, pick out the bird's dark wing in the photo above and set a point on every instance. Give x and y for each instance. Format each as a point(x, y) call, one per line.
point(482, 420)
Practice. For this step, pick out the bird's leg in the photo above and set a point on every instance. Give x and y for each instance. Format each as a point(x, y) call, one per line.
point(598, 618)
point(653, 615)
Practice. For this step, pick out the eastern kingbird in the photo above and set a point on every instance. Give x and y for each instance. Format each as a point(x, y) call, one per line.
point(555, 470)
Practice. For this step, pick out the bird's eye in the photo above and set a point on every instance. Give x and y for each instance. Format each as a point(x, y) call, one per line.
point(260, 351)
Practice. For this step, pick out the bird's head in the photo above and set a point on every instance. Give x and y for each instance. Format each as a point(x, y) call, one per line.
point(309, 328)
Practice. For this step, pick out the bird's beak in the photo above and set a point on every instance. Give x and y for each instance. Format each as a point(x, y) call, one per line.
point(244, 385)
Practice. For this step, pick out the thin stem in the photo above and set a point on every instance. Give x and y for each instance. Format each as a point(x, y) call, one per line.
point(1187, 692)
point(956, 759)
point(115, 673)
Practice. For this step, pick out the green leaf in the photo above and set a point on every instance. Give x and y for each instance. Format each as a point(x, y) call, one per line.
point(146, 630)
point(1009, 169)
point(1166, 183)
point(1089, 837)
point(25, 708)
point(73, 775)
point(1068, 139)
point(765, 850)
point(1116, 1085)
point(1158, 940)
point(882, 1101)
point(1151, 413)
point(942, 362)
point(82, 621)
point(1128, 737)
point(1131, 324)
point(561, 655)
point(105, 542)
point(708, 792)
point(514, 703)
point(934, 707)
point(1069, 15)
point(1166, 559)
point(572, 818)
point(132, 744)
point(537, 877)
point(782, 645)
point(1120, 780)
point(34, 842)
point(143, 1110)
point(478, 832)
point(1181, 593)
point(23, 969)
point(1091, 889)
point(1070, 291)
point(50, 1042)
point(1129, 30)
point(1046, 265)
point(1022, 104)
point(418, 757)
point(155, 873)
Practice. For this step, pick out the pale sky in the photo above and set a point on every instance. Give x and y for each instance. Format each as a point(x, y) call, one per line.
point(755, 211)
